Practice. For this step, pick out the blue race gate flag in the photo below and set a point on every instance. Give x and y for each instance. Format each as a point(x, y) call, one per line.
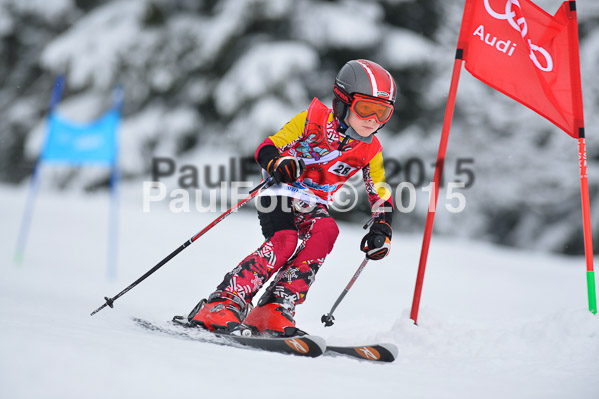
point(78, 144)
point(81, 143)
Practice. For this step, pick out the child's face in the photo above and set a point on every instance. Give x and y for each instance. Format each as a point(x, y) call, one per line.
point(364, 127)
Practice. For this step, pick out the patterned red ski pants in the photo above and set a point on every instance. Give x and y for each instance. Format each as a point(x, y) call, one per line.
point(295, 267)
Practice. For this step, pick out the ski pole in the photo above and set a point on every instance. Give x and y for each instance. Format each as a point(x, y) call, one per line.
point(110, 301)
point(328, 318)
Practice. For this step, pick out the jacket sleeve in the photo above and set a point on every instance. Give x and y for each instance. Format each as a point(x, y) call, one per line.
point(379, 192)
point(283, 139)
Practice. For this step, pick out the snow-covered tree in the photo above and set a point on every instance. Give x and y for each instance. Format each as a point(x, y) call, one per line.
point(201, 76)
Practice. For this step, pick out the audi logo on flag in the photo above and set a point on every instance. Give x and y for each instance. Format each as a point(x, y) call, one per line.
point(521, 26)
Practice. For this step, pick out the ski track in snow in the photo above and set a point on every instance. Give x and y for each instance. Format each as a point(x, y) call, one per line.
point(494, 322)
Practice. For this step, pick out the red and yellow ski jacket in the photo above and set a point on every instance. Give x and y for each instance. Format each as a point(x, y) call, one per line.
point(313, 136)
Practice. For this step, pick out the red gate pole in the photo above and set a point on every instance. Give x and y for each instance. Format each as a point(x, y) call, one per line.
point(430, 219)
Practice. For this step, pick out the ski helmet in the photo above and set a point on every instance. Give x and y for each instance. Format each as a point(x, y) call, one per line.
point(365, 78)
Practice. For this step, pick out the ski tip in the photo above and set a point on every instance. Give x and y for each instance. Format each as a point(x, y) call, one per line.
point(384, 352)
point(322, 344)
point(393, 350)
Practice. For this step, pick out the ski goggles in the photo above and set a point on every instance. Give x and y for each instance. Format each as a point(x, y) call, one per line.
point(369, 107)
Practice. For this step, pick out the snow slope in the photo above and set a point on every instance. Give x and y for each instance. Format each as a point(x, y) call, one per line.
point(494, 322)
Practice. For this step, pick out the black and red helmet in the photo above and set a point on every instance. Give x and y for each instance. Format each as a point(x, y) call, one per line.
point(362, 77)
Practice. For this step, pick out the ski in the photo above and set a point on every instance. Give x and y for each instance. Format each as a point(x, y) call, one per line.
point(305, 345)
point(377, 353)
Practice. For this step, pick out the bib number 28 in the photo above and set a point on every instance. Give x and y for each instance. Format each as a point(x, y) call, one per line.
point(341, 169)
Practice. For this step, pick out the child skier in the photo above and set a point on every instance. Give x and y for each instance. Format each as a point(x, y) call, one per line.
point(309, 159)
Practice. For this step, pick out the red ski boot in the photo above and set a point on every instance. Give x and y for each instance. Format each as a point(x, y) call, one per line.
point(273, 319)
point(219, 312)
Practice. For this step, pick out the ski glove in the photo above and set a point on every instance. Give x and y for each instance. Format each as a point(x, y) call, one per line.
point(285, 169)
point(377, 242)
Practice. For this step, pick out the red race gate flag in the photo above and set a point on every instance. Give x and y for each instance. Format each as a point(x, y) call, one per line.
point(520, 50)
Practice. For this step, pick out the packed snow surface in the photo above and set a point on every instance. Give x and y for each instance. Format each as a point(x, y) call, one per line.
point(494, 322)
